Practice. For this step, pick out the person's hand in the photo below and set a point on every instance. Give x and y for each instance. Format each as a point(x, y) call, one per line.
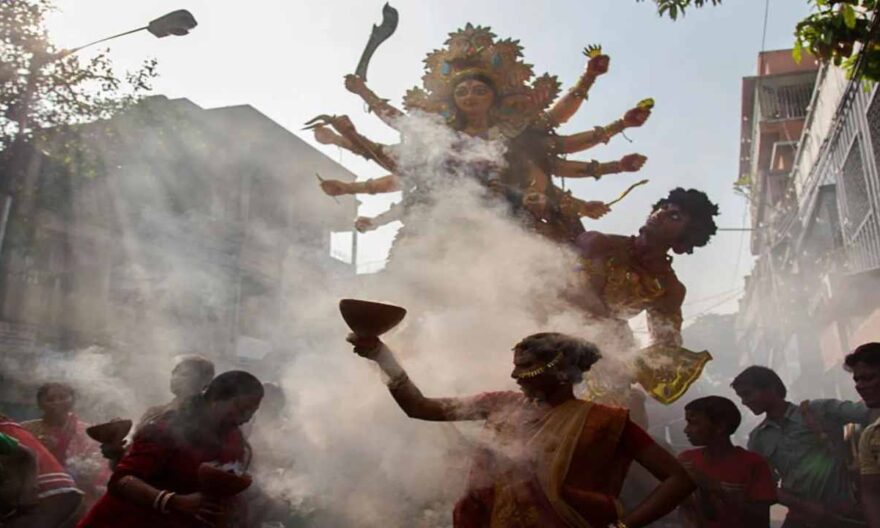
point(335, 187)
point(355, 84)
point(198, 505)
point(114, 451)
point(632, 162)
point(367, 347)
point(636, 117)
point(363, 224)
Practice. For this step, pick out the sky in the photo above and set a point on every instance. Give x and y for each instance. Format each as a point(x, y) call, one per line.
point(287, 59)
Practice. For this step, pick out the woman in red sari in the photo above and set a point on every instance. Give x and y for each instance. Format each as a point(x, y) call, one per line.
point(156, 483)
point(546, 459)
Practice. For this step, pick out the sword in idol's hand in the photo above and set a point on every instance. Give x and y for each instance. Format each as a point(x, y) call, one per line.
point(379, 35)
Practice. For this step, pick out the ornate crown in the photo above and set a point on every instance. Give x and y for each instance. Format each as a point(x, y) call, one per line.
point(474, 50)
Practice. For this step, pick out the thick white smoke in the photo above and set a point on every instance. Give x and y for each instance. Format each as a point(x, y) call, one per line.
point(474, 282)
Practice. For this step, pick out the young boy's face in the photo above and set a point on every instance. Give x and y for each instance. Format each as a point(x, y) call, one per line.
point(700, 430)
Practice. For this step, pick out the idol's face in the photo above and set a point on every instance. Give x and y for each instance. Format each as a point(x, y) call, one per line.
point(700, 431)
point(57, 401)
point(867, 380)
point(473, 97)
point(668, 223)
point(536, 387)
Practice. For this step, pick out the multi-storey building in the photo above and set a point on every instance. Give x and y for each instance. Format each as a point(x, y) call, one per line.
point(810, 141)
point(168, 229)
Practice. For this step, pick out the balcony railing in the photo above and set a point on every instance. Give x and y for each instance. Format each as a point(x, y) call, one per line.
point(786, 101)
point(863, 248)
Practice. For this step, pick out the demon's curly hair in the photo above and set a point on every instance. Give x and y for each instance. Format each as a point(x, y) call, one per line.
point(700, 210)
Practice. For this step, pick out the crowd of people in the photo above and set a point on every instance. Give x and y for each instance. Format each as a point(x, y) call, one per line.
point(546, 458)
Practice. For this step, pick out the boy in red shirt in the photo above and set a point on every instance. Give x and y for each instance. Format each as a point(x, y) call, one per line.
point(734, 487)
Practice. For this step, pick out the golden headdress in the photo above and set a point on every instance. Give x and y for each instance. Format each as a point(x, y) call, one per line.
point(474, 51)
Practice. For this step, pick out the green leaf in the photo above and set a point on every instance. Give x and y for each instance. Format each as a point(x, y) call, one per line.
point(797, 52)
point(849, 15)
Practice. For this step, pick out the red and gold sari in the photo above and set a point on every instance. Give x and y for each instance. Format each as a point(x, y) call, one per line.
point(543, 467)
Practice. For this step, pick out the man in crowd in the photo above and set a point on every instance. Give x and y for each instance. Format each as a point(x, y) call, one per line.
point(864, 363)
point(734, 487)
point(56, 499)
point(804, 446)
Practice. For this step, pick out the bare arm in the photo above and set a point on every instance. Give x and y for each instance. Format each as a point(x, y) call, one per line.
point(385, 184)
point(347, 136)
point(386, 112)
point(675, 485)
point(595, 169)
point(568, 105)
point(406, 393)
point(584, 140)
point(138, 492)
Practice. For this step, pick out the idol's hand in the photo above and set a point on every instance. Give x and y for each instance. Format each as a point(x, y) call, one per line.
point(367, 347)
point(364, 224)
point(335, 187)
point(636, 117)
point(593, 209)
point(355, 84)
point(325, 136)
point(632, 162)
point(598, 65)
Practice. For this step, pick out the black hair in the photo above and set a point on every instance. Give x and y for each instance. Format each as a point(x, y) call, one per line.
point(719, 411)
point(44, 389)
point(700, 210)
point(868, 353)
point(758, 377)
point(579, 355)
point(190, 421)
point(233, 383)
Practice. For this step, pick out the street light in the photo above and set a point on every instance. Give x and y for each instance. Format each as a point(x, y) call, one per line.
point(176, 23)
